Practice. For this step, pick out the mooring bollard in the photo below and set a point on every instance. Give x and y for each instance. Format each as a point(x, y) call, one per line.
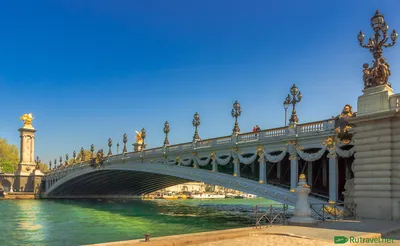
point(147, 237)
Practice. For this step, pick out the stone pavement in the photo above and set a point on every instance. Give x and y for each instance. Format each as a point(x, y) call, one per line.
point(322, 234)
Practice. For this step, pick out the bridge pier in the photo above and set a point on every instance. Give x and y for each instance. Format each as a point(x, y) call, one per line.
point(376, 164)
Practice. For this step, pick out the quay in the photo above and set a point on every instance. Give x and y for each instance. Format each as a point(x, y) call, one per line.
point(321, 234)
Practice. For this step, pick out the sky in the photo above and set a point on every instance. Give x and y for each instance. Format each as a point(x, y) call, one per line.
point(93, 70)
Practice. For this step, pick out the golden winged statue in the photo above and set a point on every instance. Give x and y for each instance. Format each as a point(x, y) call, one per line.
point(27, 119)
point(139, 138)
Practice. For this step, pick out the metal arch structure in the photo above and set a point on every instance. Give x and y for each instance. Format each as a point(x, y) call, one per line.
point(132, 178)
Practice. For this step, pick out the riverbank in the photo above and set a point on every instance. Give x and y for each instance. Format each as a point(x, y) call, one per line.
point(19, 195)
point(322, 234)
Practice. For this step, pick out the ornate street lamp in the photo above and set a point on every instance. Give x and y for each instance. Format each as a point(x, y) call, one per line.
point(117, 148)
point(37, 162)
point(74, 156)
point(82, 155)
point(286, 104)
point(55, 163)
point(109, 146)
point(166, 131)
point(92, 150)
point(49, 165)
point(143, 135)
point(66, 159)
point(236, 112)
point(296, 97)
point(61, 163)
point(379, 73)
point(125, 140)
point(196, 123)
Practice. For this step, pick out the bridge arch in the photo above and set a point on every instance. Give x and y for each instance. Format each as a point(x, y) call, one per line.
point(132, 178)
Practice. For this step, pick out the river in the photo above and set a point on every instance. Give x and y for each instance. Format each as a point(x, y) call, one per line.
point(78, 222)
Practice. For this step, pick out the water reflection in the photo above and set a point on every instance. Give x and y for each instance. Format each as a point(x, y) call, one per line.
point(72, 222)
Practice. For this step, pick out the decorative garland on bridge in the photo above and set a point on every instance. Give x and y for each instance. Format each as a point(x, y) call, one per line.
point(291, 148)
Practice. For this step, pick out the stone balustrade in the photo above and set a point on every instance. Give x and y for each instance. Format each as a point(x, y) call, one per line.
point(225, 141)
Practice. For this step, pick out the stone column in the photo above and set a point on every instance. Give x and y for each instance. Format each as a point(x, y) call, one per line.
point(263, 165)
point(333, 178)
point(377, 157)
point(24, 179)
point(294, 170)
point(236, 167)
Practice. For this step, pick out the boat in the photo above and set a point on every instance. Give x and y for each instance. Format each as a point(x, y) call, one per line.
point(208, 196)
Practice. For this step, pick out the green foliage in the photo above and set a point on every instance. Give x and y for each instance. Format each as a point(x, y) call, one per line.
point(43, 167)
point(88, 155)
point(8, 156)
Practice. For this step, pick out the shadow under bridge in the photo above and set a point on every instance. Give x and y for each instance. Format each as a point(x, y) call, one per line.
point(133, 178)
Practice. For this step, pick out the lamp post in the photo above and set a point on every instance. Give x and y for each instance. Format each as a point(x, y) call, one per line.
point(66, 159)
point(236, 112)
point(125, 140)
point(379, 73)
point(286, 104)
point(196, 123)
point(49, 165)
point(166, 131)
point(296, 97)
point(55, 162)
point(117, 148)
point(143, 135)
point(74, 157)
point(82, 155)
point(37, 162)
point(92, 150)
point(109, 146)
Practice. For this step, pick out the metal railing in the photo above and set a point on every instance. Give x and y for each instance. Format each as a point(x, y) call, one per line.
point(335, 211)
point(271, 214)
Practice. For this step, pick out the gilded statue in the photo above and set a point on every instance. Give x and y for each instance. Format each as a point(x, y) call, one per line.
point(342, 125)
point(139, 138)
point(378, 74)
point(27, 119)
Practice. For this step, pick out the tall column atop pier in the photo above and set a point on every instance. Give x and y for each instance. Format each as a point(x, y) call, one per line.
point(27, 147)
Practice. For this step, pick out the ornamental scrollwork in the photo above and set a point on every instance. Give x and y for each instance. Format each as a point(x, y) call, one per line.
point(330, 144)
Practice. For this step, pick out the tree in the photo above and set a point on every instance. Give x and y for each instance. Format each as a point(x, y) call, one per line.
point(88, 155)
point(43, 167)
point(8, 156)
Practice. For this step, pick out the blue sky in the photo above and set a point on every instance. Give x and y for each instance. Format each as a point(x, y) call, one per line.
point(90, 70)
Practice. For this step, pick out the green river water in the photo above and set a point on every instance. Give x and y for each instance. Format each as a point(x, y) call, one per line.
point(79, 222)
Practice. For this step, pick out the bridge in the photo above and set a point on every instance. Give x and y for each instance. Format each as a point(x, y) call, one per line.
point(352, 157)
point(266, 163)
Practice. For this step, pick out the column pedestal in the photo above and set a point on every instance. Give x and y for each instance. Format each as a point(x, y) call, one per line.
point(302, 211)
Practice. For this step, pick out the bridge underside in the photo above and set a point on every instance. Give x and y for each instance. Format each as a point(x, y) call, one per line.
point(115, 183)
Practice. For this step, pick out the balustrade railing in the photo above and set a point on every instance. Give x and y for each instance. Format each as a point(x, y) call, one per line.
point(394, 101)
point(336, 211)
point(301, 129)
